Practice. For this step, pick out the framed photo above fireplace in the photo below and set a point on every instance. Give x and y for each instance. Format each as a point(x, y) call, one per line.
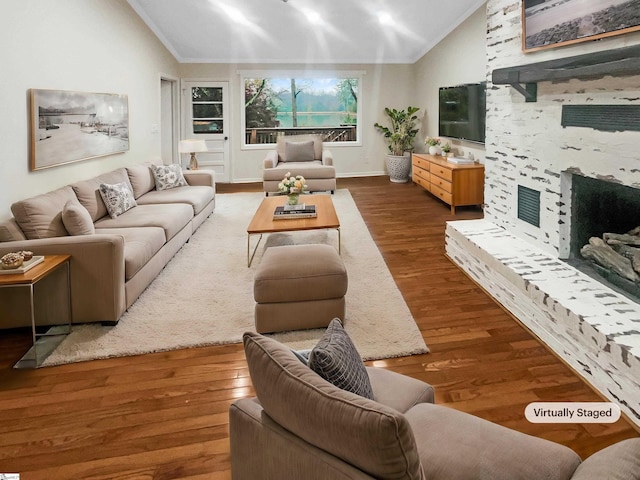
point(71, 126)
point(555, 23)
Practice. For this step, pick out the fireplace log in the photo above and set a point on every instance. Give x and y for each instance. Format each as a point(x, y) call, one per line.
point(631, 253)
point(635, 231)
point(621, 238)
point(601, 253)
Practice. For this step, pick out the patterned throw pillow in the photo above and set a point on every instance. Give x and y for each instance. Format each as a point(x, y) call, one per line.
point(336, 359)
point(117, 198)
point(168, 176)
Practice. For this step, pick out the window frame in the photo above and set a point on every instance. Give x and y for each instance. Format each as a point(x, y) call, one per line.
point(299, 74)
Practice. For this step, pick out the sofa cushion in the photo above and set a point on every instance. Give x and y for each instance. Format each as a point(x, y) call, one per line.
point(141, 179)
point(140, 245)
point(282, 141)
point(88, 191)
point(171, 218)
point(41, 216)
point(198, 197)
point(299, 151)
point(76, 219)
point(309, 170)
point(375, 438)
point(620, 461)
point(168, 176)
point(336, 359)
point(118, 198)
point(10, 231)
point(452, 441)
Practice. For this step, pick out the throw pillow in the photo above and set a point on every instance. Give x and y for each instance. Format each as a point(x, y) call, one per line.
point(302, 355)
point(336, 359)
point(76, 219)
point(299, 151)
point(168, 176)
point(117, 198)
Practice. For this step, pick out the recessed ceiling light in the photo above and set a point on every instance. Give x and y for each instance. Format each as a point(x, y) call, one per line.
point(313, 17)
point(235, 14)
point(384, 18)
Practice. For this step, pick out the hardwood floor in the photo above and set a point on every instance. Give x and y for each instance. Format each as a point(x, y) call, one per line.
point(164, 416)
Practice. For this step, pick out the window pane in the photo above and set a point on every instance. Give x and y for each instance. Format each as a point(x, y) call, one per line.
point(208, 126)
point(327, 106)
point(206, 94)
point(207, 110)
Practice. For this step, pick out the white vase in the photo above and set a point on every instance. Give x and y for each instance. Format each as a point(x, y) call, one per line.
point(434, 150)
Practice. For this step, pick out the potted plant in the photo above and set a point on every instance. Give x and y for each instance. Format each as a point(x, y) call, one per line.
point(434, 145)
point(446, 149)
point(400, 136)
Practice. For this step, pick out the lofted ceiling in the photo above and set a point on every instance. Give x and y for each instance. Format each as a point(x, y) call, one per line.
point(302, 31)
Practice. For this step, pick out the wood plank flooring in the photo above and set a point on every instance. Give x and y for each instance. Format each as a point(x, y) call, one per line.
point(164, 416)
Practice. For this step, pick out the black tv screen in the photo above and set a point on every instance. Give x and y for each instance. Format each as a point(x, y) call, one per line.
point(462, 112)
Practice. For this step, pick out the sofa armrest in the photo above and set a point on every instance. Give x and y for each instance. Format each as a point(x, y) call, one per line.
point(271, 159)
point(620, 461)
point(97, 272)
point(204, 178)
point(327, 157)
point(397, 391)
point(262, 449)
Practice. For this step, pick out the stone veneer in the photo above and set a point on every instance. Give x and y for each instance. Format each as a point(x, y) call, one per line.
point(591, 327)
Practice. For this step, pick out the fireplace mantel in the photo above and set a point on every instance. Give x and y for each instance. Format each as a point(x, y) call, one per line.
point(524, 78)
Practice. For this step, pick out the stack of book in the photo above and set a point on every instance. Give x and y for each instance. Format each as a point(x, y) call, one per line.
point(459, 160)
point(294, 211)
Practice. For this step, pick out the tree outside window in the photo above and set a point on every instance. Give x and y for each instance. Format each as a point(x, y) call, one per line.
point(278, 105)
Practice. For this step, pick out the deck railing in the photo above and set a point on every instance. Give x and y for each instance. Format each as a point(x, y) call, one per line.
point(342, 133)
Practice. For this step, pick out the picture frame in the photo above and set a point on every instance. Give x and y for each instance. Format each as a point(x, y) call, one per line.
point(70, 126)
point(552, 23)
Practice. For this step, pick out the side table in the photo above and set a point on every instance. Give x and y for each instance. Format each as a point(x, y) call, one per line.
point(43, 343)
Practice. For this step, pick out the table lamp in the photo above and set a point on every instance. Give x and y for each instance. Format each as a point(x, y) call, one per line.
point(192, 147)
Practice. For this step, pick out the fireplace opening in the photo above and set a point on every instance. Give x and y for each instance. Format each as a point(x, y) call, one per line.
point(605, 217)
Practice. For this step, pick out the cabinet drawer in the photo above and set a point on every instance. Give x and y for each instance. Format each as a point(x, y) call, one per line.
point(420, 163)
point(441, 183)
point(421, 181)
point(441, 194)
point(442, 172)
point(423, 174)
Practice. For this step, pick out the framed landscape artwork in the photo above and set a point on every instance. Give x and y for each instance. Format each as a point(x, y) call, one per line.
point(554, 23)
point(71, 126)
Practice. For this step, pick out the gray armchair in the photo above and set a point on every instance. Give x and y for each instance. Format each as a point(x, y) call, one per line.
point(301, 426)
point(300, 155)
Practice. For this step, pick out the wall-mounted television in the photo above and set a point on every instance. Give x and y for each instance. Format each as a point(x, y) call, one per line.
point(462, 111)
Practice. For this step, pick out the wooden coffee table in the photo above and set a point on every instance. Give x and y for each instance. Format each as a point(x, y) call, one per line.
point(263, 222)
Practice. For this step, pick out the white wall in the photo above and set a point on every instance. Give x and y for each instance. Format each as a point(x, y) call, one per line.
point(459, 58)
point(82, 45)
point(383, 86)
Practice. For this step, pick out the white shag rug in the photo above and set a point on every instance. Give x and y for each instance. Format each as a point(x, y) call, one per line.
point(204, 296)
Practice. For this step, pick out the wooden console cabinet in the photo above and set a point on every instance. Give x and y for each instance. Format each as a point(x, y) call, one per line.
point(455, 184)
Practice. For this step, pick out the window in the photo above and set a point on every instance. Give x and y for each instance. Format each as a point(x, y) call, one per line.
point(207, 110)
point(290, 104)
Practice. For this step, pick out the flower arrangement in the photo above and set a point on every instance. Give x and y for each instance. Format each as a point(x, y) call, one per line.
point(432, 141)
point(292, 185)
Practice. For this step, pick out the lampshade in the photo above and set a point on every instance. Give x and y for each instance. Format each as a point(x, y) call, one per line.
point(192, 146)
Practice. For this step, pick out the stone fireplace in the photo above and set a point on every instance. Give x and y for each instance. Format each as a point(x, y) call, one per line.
point(598, 208)
point(525, 261)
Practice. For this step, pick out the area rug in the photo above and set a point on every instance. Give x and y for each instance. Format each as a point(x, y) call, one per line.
point(204, 296)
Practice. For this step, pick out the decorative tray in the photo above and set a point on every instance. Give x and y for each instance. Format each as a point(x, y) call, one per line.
point(29, 264)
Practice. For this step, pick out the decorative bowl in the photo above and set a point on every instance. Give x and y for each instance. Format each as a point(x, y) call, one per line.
point(11, 261)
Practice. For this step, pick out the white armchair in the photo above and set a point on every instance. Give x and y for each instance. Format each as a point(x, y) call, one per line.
point(300, 155)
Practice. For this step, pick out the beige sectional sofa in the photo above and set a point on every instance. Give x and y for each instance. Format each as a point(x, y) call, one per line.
point(114, 259)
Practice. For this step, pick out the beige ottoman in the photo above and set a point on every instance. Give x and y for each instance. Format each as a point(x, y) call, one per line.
point(298, 287)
